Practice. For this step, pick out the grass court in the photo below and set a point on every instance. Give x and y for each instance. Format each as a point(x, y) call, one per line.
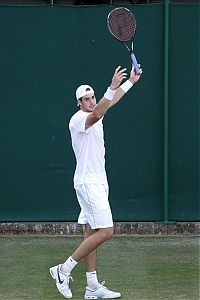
point(140, 267)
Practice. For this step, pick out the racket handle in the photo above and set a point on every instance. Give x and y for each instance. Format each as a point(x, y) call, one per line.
point(134, 61)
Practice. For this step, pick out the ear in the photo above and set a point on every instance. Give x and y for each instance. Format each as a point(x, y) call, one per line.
point(79, 102)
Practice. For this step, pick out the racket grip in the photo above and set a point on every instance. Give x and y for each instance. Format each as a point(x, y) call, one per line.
point(134, 61)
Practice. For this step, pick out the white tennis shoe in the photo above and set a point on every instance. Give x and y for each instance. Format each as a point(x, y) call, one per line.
point(101, 292)
point(62, 281)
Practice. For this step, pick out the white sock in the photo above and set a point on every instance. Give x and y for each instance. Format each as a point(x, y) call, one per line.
point(68, 266)
point(92, 281)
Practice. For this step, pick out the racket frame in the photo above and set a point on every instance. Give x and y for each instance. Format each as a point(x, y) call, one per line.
point(133, 57)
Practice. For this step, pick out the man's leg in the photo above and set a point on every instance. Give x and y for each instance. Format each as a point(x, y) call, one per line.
point(93, 239)
point(95, 209)
point(90, 259)
point(94, 289)
point(91, 242)
point(90, 262)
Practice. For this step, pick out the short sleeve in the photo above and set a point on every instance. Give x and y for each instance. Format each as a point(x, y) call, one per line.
point(77, 122)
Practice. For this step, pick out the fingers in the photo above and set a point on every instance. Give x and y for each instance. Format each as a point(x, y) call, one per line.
point(139, 72)
point(118, 71)
point(118, 76)
point(121, 74)
point(133, 73)
point(133, 76)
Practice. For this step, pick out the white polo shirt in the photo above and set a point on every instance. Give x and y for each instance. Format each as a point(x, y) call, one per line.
point(88, 146)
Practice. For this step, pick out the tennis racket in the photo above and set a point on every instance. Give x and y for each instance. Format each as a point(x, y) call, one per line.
point(122, 25)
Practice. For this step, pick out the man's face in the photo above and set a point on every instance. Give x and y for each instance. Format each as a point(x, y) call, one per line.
point(88, 103)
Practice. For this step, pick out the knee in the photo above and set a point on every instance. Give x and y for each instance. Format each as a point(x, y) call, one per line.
point(107, 233)
point(110, 232)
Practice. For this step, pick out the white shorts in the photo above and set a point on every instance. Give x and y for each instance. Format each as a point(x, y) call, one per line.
point(95, 207)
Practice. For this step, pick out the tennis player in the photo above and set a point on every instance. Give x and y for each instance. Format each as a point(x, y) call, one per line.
point(90, 183)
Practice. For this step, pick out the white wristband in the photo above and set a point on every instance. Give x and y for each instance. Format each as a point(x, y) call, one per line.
point(126, 86)
point(109, 94)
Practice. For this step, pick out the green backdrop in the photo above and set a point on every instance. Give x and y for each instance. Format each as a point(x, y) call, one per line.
point(46, 52)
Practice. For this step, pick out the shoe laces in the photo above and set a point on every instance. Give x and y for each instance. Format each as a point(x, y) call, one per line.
point(68, 276)
point(103, 286)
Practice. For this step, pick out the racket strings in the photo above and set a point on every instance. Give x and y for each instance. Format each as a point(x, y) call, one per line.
point(122, 24)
